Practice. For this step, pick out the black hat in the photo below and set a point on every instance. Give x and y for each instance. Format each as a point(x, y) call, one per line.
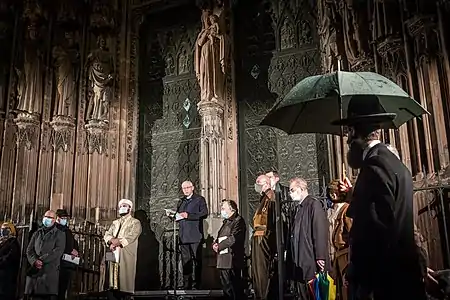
point(365, 109)
point(62, 213)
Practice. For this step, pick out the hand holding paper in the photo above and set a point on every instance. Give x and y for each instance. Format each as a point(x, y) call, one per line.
point(223, 238)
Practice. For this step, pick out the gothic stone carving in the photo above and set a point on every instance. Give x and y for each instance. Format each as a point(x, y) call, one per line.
point(328, 22)
point(211, 56)
point(355, 29)
point(28, 130)
point(63, 132)
point(101, 71)
point(30, 74)
point(96, 137)
point(103, 16)
point(66, 57)
point(290, 23)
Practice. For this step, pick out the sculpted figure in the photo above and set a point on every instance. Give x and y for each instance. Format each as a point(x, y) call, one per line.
point(100, 69)
point(30, 90)
point(327, 33)
point(65, 57)
point(211, 53)
point(354, 29)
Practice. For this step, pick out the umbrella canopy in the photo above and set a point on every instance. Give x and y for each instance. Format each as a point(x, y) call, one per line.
point(314, 102)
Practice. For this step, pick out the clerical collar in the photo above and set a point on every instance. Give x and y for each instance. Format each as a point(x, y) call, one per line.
point(370, 146)
point(188, 197)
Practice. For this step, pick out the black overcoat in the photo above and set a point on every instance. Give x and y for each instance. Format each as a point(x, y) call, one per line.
point(47, 245)
point(309, 240)
point(191, 229)
point(383, 251)
point(9, 267)
point(234, 229)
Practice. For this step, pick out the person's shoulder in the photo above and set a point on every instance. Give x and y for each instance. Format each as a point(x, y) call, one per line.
point(198, 197)
point(134, 220)
point(240, 219)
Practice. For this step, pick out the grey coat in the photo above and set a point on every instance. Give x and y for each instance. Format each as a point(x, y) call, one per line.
point(48, 246)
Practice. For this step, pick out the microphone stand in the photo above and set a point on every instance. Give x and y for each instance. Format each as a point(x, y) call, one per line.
point(175, 254)
point(279, 233)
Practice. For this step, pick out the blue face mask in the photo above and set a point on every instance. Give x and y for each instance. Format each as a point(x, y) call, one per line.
point(224, 214)
point(47, 222)
point(4, 232)
point(63, 222)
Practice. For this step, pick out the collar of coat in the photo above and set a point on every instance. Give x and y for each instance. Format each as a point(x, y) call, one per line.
point(370, 146)
point(232, 217)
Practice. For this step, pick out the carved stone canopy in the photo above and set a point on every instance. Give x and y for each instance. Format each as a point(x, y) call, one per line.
point(28, 125)
point(63, 131)
point(420, 24)
point(97, 139)
point(390, 44)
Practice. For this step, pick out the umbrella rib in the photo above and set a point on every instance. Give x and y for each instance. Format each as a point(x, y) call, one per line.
point(296, 119)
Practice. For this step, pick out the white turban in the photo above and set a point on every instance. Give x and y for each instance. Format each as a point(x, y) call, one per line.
point(126, 201)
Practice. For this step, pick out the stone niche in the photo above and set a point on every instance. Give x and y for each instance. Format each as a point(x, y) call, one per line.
point(169, 136)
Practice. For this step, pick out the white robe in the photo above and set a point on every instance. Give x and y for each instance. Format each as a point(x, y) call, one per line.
point(128, 236)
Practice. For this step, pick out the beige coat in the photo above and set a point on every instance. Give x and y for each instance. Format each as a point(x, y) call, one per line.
point(128, 236)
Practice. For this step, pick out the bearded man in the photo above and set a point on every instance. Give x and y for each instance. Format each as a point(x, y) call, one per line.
point(384, 259)
point(122, 240)
point(264, 242)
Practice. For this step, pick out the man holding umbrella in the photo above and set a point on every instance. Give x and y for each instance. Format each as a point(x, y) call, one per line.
point(384, 259)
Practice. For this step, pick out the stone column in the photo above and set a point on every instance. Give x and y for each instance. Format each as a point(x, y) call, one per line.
point(63, 142)
point(212, 154)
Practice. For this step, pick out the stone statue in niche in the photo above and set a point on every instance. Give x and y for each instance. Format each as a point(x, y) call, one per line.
point(65, 58)
point(30, 87)
point(305, 33)
point(211, 58)
point(183, 62)
point(327, 33)
point(287, 35)
point(100, 72)
point(354, 23)
point(170, 66)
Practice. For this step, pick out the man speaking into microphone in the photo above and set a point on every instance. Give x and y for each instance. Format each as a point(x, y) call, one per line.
point(192, 210)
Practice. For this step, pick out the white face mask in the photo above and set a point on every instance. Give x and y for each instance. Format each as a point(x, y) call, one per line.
point(272, 184)
point(123, 210)
point(258, 188)
point(297, 195)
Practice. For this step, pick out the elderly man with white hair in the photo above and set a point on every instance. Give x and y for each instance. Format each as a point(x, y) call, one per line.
point(122, 240)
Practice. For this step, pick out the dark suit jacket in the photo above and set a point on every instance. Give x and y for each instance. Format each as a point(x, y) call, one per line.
point(382, 234)
point(71, 244)
point(235, 230)
point(309, 239)
point(191, 229)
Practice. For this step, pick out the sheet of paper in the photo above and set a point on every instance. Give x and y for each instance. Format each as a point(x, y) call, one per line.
point(178, 217)
point(221, 239)
point(69, 258)
point(170, 212)
point(117, 254)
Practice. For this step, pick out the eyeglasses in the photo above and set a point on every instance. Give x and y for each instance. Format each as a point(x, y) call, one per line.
point(50, 217)
point(187, 187)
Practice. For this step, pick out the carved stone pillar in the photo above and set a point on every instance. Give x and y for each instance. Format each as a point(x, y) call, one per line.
point(27, 143)
point(218, 146)
point(97, 145)
point(212, 154)
point(63, 142)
